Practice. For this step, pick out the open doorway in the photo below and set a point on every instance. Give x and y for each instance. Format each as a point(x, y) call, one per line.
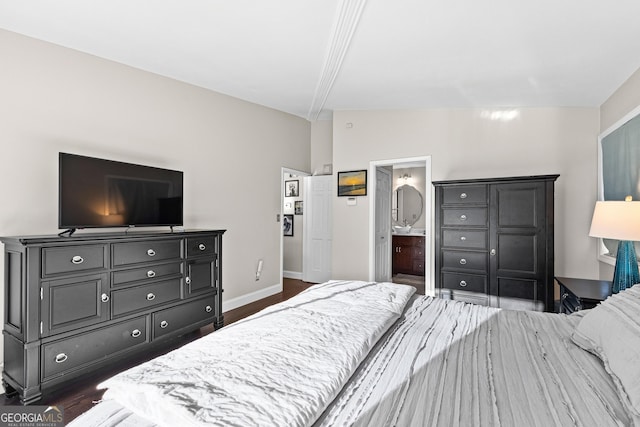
point(292, 224)
point(401, 222)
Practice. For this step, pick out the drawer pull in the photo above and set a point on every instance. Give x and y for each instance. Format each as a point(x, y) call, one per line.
point(77, 259)
point(463, 217)
point(151, 252)
point(463, 238)
point(187, 280)
point(164, 324)
point(151, 296)
point(61, 358)
point(463, 261)
point(463, 195)
point(202, 246)
point(136, 333)
point(208, 309)
point(463, 283)
point(104, 298)
point(151, 273)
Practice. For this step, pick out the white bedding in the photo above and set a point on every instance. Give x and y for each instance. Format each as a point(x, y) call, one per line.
point(280, 367)
point(443, 363)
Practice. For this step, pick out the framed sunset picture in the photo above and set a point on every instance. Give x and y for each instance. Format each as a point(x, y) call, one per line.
point(352, 183)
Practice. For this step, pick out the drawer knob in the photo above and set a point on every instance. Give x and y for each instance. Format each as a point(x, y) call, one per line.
point(151, 252)
point(463, 217)
point(202, 246)
point(463, 195)
point(493, 252)
point(463, 261)
point(61, 358)
point(187, 280)
point(104, 298)
point(463, 283)
point(151, 273)
point(77, 259)
point(463, 238)
point(136, 333)
point(164, 324)
point(208, 309)
point(151, 296)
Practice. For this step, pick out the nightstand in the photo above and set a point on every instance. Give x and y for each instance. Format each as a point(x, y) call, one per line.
point(581, 294)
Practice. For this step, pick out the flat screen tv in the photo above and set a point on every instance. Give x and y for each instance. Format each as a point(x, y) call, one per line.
point(97, 193)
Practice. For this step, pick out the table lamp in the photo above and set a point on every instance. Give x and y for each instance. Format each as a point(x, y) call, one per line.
point(620, 221)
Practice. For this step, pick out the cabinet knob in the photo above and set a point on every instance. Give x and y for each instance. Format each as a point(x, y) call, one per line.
point(202, 246)
point(208, 309)
point(77, 259)
point(61, 358)
point(493, 252)
point(463, 217)
point(463, 283)
point(164, 324)
point(463, 238)
point(463, 261)
point(151, 252)
point(187, 280)
point(463, 195)
point(151, 273)
point(151, 296)
point(104, 298)
point(136, 333)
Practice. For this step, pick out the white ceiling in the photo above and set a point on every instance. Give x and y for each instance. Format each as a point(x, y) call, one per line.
point(310, 57)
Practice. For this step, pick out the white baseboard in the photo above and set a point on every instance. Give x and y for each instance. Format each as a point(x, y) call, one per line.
point(292, 274)
point(251, 297)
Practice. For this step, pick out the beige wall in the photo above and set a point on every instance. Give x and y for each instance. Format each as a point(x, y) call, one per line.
point(464, 143)
point(620, 103)
point(56, 99)
point(321, 145)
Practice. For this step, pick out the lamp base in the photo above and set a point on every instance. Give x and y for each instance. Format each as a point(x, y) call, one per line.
point(626, 273)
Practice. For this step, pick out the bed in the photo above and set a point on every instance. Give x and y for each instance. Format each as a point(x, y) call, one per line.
point(348, 353)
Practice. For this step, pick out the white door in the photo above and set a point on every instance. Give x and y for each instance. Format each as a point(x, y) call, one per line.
point(317, 239)
point(384, 181)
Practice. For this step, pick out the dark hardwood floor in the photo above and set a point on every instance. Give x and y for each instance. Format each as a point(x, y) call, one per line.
point(82, 395)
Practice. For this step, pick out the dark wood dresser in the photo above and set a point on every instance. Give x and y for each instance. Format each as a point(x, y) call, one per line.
point(494, 241)
point(77, 304)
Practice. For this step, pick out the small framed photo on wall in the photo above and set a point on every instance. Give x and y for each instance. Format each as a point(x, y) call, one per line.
point(352, 183)
point(298, 210)
point(287, 225)
point(291, 188)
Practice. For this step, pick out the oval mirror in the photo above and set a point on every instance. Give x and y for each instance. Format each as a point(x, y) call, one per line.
point(409, 203)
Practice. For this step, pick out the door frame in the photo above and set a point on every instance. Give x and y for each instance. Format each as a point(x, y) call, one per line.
point(428, 199)
point(283, 171)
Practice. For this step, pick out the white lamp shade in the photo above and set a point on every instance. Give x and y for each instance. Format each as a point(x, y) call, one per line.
point(616, 220)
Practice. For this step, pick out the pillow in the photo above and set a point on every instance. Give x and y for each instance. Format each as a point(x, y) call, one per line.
point(611, 331)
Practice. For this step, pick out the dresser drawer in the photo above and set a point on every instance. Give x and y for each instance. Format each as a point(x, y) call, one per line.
point(143, 297)
point(175, 318)
point(465, 217)
point(467, 194)
point(201, 246)
point(464, 282)
point(463, 260)
point(467, 239)
point(70, 259)
point(147, 251)
point(124, 277)
point(66, 355)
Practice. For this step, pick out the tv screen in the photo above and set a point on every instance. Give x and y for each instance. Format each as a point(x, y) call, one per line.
point(104, 193)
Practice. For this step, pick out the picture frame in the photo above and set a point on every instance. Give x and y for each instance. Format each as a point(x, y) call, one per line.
point(352, 183)
point(287, 225)
point(298, 207)
point(291, 188)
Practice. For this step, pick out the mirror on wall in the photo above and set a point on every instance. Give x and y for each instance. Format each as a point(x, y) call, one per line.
point(409, 204)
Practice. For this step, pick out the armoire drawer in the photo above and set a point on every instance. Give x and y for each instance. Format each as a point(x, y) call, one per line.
point(464, 260)
point(70, 259)
point(72, 353)
point(146, 251)
point(466, 194)
point(123, 277)
point(464, 282)
point(467, 239)
point(471, 217)
point(175, 318)
point(201, 246)
point(143, 297)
